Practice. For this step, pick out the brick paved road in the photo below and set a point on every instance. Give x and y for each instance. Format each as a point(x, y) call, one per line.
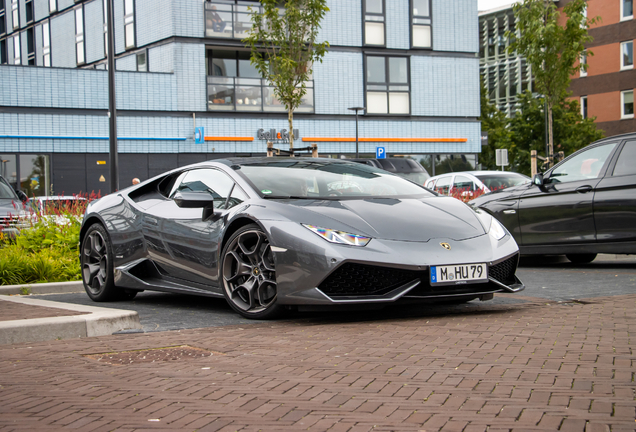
point(537, 365)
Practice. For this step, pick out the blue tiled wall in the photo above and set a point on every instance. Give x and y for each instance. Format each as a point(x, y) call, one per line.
point(40, 9)
point(153, 26)
point(188, 18)
point(189, 66)
point(455, 25)
point(171, 127)
point(94, 31)
point(339, 83)
point(343, 23)
point(161, 58)
point(444, 86)
point(397, 29)
point(128, 63)
point(63, 33)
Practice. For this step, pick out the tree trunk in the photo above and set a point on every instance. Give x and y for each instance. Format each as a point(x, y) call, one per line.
point(290, 119)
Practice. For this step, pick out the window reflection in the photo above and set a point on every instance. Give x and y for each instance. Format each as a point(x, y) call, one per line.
point(35, 175)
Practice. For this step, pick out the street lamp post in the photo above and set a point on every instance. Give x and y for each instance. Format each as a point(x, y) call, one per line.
point(356, 109)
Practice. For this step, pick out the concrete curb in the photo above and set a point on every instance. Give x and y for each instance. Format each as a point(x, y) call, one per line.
point(43, 288)
point(98, 322)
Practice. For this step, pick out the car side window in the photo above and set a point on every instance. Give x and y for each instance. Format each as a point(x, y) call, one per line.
point(237, 197)
point(585, 165)
point(443, 185)
point(626, 163)
point(214, 182)
point(463, 184)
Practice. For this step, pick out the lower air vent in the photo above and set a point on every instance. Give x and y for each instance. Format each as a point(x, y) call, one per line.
point(504, 271)
point(358, 279)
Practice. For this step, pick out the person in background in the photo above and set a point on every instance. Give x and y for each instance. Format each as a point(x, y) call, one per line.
point(135, 181)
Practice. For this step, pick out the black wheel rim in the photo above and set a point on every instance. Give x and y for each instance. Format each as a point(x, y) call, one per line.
point(95, 262)
point(249, 276)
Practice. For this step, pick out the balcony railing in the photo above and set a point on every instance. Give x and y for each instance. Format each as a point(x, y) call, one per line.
point(250, 94)
point(229, 19)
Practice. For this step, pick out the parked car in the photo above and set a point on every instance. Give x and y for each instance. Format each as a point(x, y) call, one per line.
point(468, 183)
point(404, 167)
point(270, 234)
point(12, 211)
point(583, 206)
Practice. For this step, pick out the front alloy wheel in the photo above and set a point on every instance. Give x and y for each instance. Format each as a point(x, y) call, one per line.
point(248, 274)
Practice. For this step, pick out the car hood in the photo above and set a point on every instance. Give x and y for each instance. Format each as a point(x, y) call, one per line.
point(417, 220)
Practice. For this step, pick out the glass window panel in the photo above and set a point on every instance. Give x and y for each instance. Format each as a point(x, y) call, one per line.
point(52, 5)
point(16, 49)
point(79, 23)
point(628, 8)
point(221, 96)
point(398, 103)
point(128, 7)
point(398, 72)
point(376, 72)
point(35, 175)
point(8, 169)
point(374, 6)
point(247, 70)
point(420, 8)
point(625, 164)
point(142, 65)
point(224, 67)
point(628, 103)
point(45, 35)
point(307, 102)
point(584, 107)
point(628, 54)
point(585, 165)
point(130, 35)
point(218, 20)
point(374, 33)
point(377, 103)
point(248, 98)
point(422, 36)
point(80, 52)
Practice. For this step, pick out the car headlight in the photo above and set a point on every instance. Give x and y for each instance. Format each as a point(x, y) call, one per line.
point(496, 229)
point(339, 237)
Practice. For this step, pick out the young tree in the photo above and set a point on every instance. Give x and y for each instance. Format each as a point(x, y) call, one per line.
point(552, 50)
point(526, 130)
point(494, 122)
point(284, 48)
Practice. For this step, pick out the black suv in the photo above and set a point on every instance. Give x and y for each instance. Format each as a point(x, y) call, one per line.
point(583, 206)
point(404, 167)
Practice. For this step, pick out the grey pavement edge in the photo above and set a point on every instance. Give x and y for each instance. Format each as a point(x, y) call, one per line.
point(43, 288)
point(97, 322)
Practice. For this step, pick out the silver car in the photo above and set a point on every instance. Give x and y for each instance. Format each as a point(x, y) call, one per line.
point(273, 234)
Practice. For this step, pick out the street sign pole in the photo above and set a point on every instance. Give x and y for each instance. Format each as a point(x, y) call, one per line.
point(112, 108)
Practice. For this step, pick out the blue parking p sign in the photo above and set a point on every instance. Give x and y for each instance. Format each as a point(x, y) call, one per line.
point(380, 152)
point(199, 137)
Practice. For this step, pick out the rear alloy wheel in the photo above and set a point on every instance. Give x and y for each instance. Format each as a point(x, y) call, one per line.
point(97, 267)
point(581, 258)
point(248, 274)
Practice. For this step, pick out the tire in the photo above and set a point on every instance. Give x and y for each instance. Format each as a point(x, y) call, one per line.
point(96, 261)
point(581, 258)
point(248, 274)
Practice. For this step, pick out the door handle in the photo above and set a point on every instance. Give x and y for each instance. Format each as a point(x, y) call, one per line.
point(509, 211)
point(150, 220)
point(584, 189)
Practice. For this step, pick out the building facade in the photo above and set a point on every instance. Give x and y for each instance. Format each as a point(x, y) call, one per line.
point(181, 65)
point(605, 91)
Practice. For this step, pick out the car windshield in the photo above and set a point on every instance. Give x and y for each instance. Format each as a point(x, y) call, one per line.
point(417, 177)
point(6, 191)
point(502, 181)
point(326, 180)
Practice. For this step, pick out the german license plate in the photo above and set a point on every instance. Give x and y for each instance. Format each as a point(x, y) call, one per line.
point(459, 274)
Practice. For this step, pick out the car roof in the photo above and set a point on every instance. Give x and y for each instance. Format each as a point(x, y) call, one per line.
point(483, 172)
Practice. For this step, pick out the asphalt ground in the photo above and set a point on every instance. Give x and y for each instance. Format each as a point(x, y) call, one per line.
point(550, 278)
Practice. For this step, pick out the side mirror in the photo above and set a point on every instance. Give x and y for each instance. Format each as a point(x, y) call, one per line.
point(538, 179)
point(193, 199)
point(196, 200)
point(23, 197)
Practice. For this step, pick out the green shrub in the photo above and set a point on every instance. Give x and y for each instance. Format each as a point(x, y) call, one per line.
point(47, 250)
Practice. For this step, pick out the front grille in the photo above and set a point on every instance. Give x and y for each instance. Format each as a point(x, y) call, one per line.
point(504, 272)
point(366, 280)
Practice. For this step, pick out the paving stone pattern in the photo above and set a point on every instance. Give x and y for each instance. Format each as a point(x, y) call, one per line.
point(530, 366)
point(10, 311)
